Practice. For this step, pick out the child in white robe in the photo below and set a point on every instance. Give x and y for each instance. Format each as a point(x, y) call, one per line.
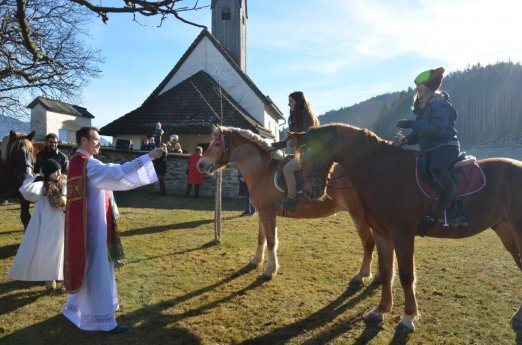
point(40, 255)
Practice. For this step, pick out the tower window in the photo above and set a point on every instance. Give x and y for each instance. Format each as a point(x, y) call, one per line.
point(225, 13)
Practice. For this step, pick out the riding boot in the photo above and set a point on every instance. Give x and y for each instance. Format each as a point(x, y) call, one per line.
point(457, 215)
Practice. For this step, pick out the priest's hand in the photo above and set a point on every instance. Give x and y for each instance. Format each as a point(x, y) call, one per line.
point(156, 153)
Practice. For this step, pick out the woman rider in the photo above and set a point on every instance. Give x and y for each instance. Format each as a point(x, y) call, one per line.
point(434, 131)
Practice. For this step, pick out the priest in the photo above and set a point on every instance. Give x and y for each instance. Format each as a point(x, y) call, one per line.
point(92, 242)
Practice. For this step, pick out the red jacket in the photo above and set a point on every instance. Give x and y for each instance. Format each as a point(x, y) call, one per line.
point(194, 176)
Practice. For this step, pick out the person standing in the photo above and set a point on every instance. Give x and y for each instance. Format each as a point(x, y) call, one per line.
point(158, 133)
point(40, 255)
point(301, 119)
point(160, 165)
point(434, 130)
point(243, 190)
point(50, 151)
point(194, 176)
point(92, 242)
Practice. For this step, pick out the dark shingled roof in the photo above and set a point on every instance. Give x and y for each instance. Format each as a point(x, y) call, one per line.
point(60, 107)
point(183, 110)
point(204, 33)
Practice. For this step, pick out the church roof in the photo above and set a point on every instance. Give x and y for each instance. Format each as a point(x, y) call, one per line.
point(191, 107)
point(205, 33)
point(60, 107)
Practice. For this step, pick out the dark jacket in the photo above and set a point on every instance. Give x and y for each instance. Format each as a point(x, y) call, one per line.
point(435, 125)
point(57, 155)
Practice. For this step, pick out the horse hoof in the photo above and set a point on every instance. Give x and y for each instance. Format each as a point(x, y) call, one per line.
point(373, 318)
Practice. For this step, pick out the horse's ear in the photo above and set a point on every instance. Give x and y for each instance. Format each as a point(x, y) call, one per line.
point(30, 136)
point(218, 127)
point(12, 135)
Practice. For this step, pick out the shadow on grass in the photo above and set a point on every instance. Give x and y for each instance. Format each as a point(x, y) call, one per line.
point(176, 226)
point(136, 198)
point(8, 251)
point(58, 330)
point(203, 246)
point(21, 231)
point(14, 301)
point(347, 300)
point(148, 325)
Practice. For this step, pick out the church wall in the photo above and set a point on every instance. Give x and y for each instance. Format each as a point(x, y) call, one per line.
point(38, 122)
point(176, 176)
point(206, 57)
point(69, 124)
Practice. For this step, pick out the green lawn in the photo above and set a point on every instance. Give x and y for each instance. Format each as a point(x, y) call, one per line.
point(178, 287)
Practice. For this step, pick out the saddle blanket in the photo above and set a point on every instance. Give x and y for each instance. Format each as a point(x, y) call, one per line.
point(470, 179)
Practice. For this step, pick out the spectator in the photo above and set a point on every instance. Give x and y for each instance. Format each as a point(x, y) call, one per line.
point(194, 176)
point(177, 148)
point(160, 165)
point(152, 144)
point(243, 190)
point(145, 144)
point(158, 132)
point(50, 151)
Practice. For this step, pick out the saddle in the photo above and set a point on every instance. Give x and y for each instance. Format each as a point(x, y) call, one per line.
point(466, 173)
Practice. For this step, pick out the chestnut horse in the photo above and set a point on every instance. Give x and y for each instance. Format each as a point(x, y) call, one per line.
point(16, 160)
point(394, 205)
point(253, 158)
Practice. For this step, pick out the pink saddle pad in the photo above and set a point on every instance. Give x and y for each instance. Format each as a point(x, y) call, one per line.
point(470, 179)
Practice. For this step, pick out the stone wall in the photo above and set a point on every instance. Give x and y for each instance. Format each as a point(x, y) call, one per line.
point(176, 176)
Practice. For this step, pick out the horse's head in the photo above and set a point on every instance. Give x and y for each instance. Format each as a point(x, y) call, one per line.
point(315, 151)
point(217, 155)
point(17, 153)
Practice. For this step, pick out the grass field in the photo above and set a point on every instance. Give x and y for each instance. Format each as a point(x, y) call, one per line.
point(178, 287)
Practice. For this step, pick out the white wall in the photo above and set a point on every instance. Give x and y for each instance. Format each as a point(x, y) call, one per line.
point(39, 122)
point(206, 57)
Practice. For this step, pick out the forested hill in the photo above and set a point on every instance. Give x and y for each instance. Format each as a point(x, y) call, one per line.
point(487, 98)
point(362, 114)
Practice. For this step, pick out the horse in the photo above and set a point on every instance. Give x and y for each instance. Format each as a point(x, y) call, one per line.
point(17, 159)
point(383, 175)
point(257, 164)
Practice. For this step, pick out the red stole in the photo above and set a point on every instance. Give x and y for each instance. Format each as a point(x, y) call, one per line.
point(75, 246)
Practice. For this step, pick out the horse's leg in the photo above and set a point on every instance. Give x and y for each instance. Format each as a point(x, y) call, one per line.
point(261, 244)
point(368, 243)
point(25, 216)
point(268, 219)
point(385, 257)
point(516, 320)
point(404, 248)
point(507, 236)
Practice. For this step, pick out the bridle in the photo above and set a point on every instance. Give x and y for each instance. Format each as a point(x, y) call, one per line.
point(23, 157)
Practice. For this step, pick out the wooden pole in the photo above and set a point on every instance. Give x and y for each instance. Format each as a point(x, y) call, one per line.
point(217, 213)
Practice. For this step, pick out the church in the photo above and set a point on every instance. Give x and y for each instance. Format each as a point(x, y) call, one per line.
point(207, 86)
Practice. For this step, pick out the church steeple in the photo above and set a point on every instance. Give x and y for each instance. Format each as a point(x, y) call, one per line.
point(229, 21)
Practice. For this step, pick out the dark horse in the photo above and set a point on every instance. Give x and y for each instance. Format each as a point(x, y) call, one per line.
point(16, 161)
point(251, 155)
point(384, 177)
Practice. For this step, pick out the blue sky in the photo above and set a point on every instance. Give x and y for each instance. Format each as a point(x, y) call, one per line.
point(339, 52)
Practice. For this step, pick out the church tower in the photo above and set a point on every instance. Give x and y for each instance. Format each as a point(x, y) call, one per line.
point(229, 20)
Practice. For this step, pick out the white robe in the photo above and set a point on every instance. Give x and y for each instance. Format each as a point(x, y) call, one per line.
point(40, 255)
point(92, 308)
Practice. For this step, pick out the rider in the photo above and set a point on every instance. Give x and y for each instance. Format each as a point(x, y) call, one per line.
point(434, 131)
point(301, 119)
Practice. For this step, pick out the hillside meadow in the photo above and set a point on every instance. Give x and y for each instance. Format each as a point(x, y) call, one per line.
point(179, 287)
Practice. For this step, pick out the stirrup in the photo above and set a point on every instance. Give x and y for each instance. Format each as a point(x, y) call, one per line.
point(290, 203)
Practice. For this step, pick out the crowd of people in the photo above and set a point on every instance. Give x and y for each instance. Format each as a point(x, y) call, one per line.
point(73, 229)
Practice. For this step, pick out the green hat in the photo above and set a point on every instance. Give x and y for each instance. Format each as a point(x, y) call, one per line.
point(431, 78)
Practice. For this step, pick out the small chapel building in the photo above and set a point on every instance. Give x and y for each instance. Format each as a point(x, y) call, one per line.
point(207, 86)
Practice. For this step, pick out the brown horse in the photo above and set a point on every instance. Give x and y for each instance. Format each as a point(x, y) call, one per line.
point(385, 181)
point(251, 155)
point(16, 160)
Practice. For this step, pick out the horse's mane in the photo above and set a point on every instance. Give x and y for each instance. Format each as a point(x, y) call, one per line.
point(362, 135)
point(262, 143)
point(17, 144)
